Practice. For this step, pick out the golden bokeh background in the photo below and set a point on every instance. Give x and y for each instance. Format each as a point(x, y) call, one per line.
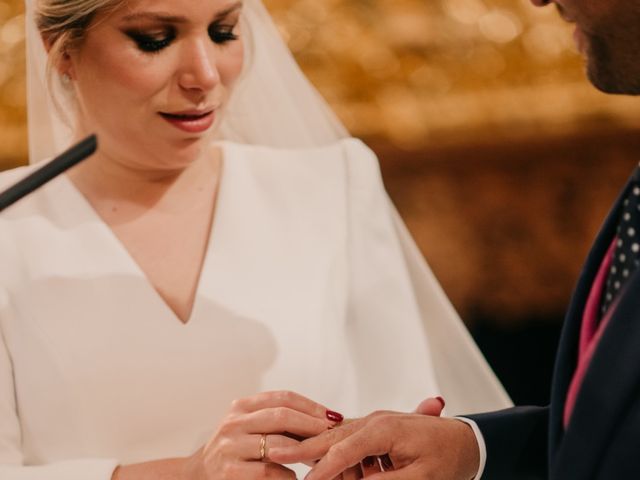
point(421, 72)
point(410, 72)
point(500, 155)
point(13, 116)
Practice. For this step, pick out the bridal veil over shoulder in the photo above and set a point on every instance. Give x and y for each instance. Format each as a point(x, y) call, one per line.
point(293, 114)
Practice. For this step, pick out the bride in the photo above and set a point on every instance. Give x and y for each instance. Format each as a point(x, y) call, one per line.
point(227, 239)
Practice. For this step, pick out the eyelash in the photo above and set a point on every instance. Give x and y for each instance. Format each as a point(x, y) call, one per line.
point(219, 34)
point(222, 34)
point(152, 43)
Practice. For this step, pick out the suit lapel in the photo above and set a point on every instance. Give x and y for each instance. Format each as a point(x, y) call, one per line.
point(610, 382)
point(567, 356)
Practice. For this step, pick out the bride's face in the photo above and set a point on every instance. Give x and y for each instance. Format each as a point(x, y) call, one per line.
point(153, 76)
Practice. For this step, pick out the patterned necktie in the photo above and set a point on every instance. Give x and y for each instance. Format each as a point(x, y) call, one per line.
point(626, 258)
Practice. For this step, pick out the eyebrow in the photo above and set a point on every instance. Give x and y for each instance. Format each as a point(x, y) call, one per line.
point(160, 16)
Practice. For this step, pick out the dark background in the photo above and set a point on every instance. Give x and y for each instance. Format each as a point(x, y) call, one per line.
point(505, 227)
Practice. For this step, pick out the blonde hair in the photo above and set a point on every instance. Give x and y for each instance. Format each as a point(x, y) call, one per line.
point(63, 23)
point(63, 26)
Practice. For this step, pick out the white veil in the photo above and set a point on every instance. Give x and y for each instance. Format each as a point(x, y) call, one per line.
point(291, 113)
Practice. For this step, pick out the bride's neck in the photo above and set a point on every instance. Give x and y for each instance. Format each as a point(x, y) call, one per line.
point(101, 177)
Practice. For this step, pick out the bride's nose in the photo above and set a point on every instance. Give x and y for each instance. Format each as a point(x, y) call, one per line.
point(199, 69)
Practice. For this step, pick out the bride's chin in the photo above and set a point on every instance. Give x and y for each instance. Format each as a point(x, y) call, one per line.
point(183, 154)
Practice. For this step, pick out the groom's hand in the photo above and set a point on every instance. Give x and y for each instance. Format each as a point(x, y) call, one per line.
point(431, 406)
point(409, 446)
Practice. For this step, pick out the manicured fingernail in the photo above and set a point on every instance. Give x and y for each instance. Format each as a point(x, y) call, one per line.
point(334, 416)
point(369, 462)
point(441, 400)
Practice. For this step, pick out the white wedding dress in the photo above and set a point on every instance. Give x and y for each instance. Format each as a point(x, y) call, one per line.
point(307, 286)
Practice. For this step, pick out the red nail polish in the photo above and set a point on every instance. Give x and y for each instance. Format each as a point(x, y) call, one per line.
point(334, 416)
point(369, 462)
point(441, 400)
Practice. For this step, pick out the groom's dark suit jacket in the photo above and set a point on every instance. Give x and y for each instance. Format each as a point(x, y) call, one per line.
point(602, 440)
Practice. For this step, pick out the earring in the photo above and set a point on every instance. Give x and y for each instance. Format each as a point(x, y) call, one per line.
point(65, 79)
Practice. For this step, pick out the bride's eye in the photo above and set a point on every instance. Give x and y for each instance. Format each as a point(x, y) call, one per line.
point(152, 42)
point(221, 34)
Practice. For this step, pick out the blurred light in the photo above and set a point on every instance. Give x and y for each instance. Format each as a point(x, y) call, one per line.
point(408, 29)
point(5, 10)
point(500, 26)
point(432, 79)
point(465, 11)
point(547, 42)
point(14, 93)
point(13, 31)
point(489, 62)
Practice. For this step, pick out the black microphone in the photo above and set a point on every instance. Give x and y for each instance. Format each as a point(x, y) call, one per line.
point(52, 169)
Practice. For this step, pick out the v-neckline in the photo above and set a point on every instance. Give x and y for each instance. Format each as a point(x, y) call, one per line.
point(135, 266)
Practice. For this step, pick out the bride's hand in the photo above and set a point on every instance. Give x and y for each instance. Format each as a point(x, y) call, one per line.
point(239, 449)
point(373, 463)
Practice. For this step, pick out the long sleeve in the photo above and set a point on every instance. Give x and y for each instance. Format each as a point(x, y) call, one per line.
point(10, 438)
point(400, 307)
point(516, 443)
point(12, 461)
point(386, 337)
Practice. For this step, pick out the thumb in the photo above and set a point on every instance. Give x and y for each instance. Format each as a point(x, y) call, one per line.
point(431, 406)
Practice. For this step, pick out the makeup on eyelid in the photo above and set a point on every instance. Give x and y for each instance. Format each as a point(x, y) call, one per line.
point(148, 42)
point(156, 41)
point(154, 76)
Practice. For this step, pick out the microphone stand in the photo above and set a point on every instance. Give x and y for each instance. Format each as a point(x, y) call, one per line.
point(52, 169)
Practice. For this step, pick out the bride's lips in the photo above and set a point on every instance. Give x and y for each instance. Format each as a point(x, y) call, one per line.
point(192, 121)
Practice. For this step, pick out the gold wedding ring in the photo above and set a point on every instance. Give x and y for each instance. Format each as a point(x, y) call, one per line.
point(263, 446)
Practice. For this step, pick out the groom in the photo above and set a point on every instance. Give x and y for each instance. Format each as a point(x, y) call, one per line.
point(591, 429)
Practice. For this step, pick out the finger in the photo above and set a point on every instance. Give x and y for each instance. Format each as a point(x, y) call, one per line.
point(431, 406)
point(249, 447)
point(352, 474)
point(370, 466)
point(280, 420)
point(347, 453)
point(315, 447)
point(291, 400)
point(258, 470)
point(407, 473)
